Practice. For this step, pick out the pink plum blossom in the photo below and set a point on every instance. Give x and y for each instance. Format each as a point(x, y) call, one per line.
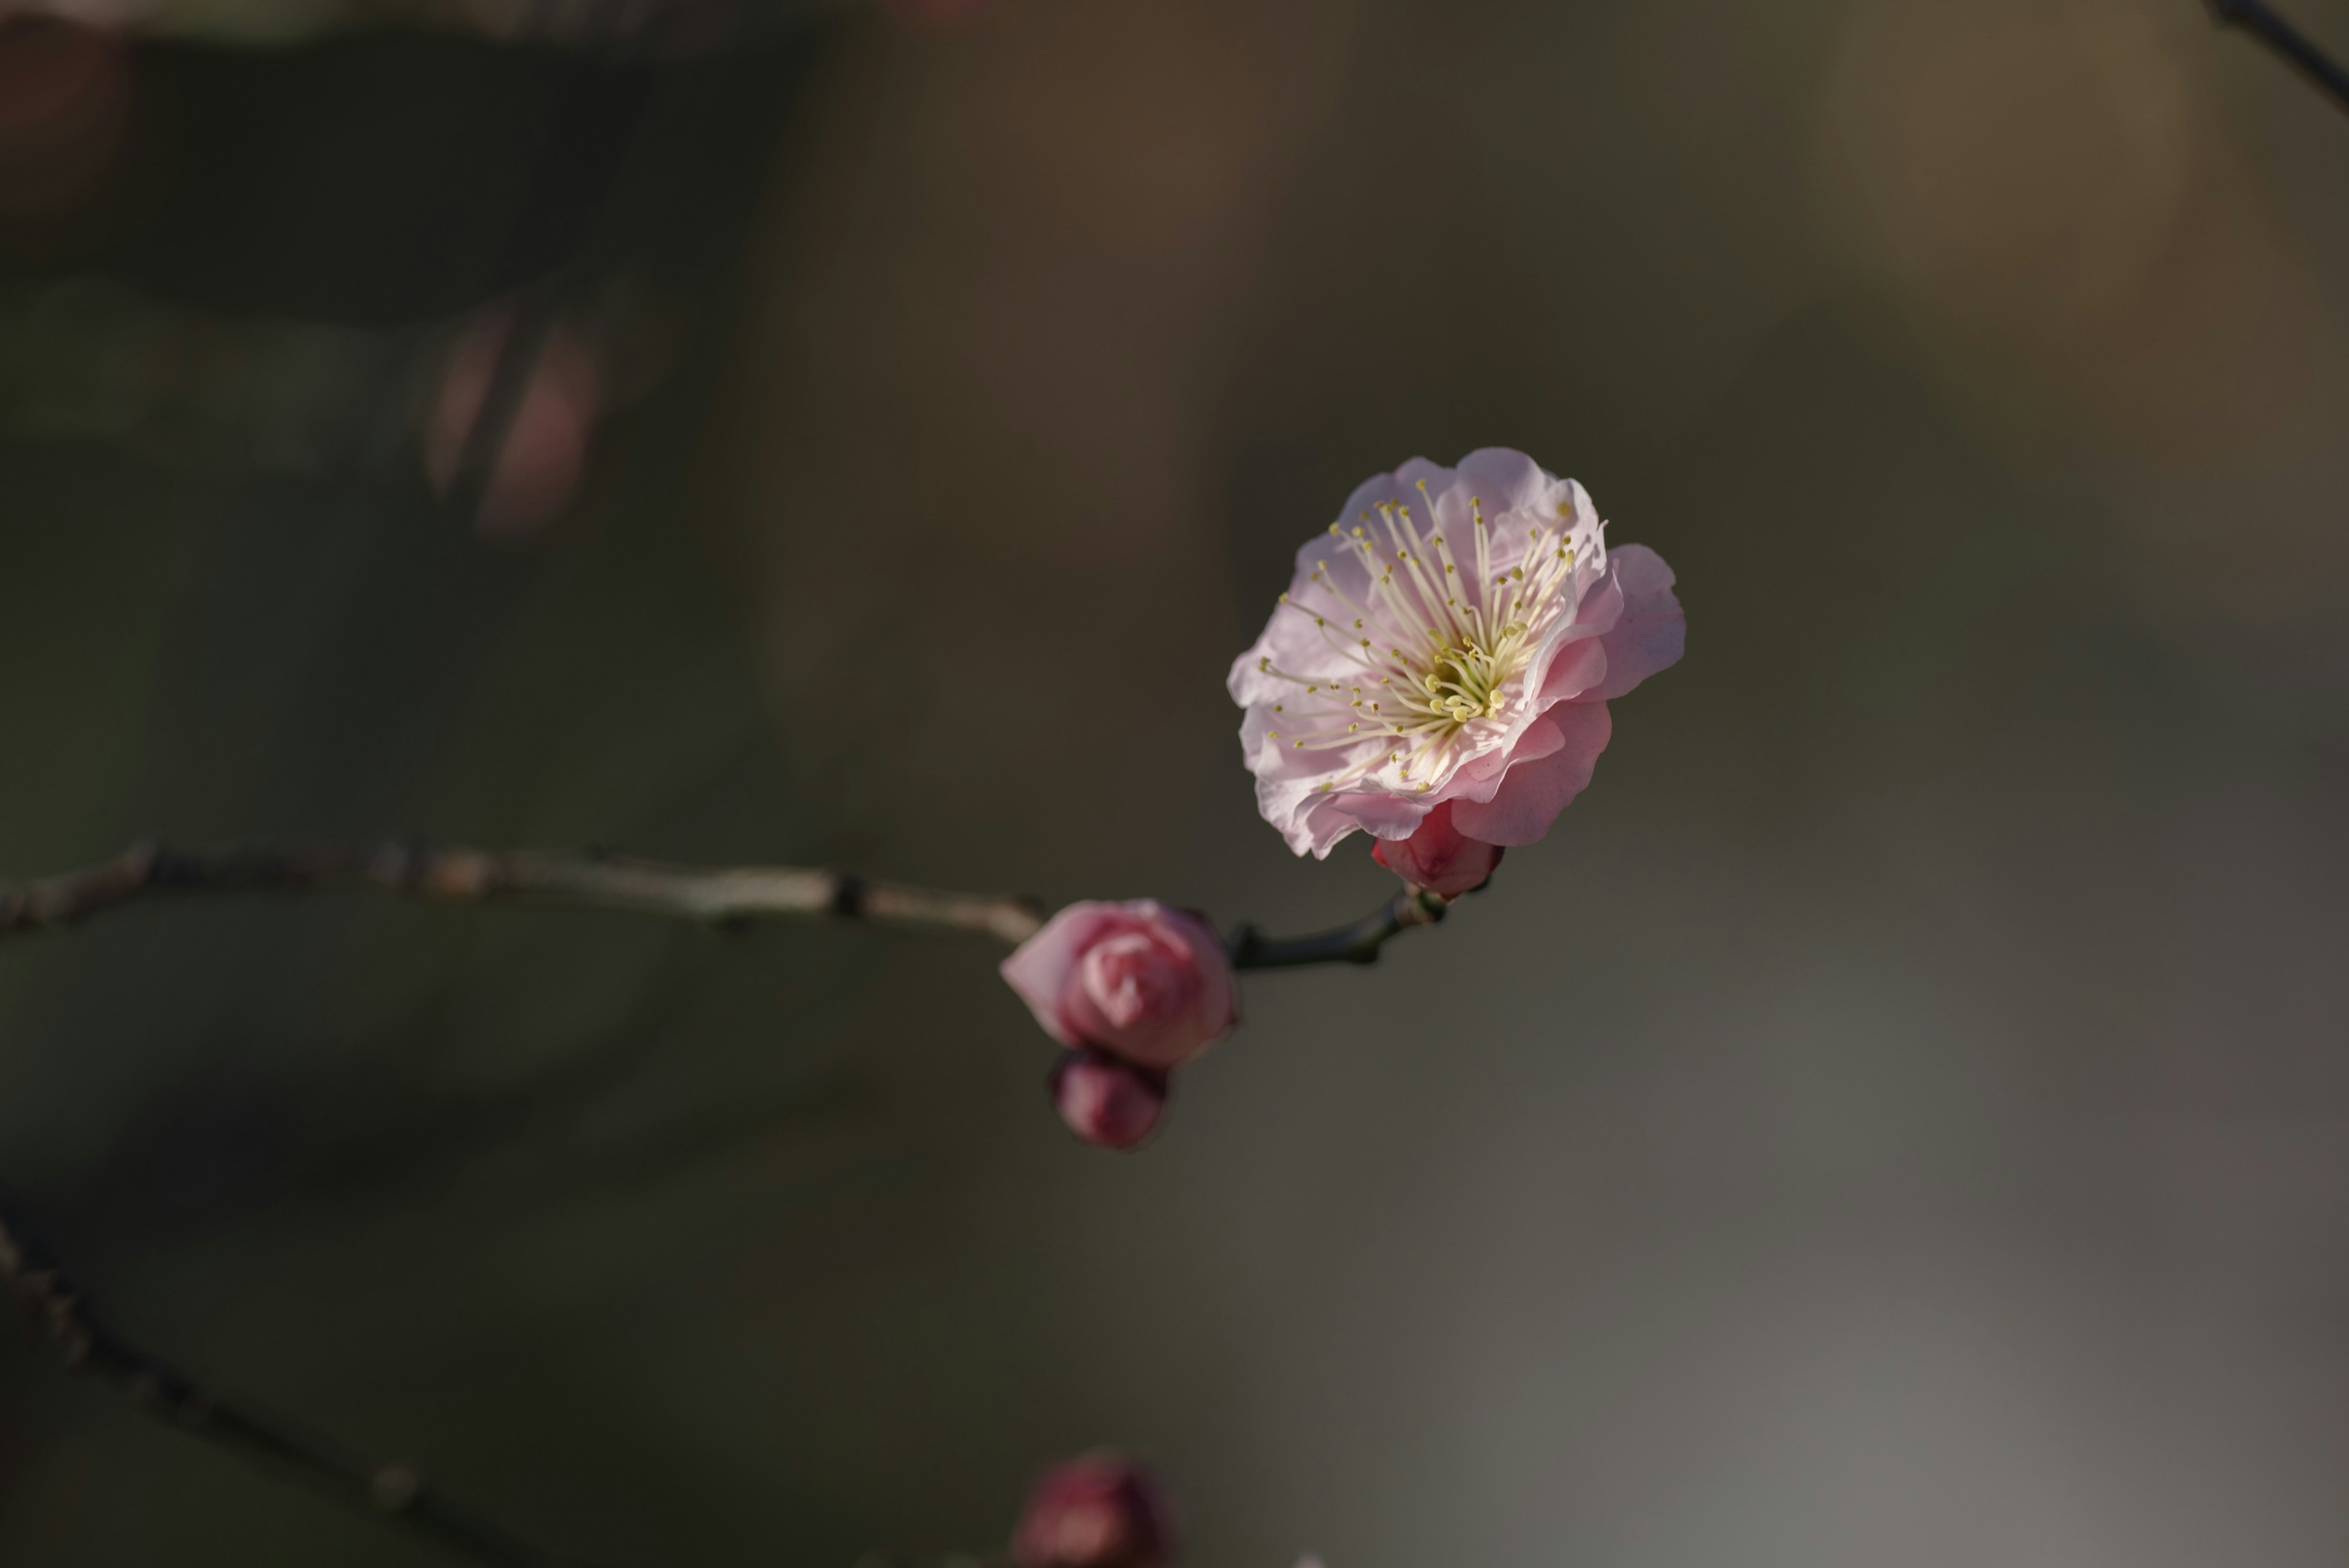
point(1140, 980)
point(1101, 1510)
point(1453, 640)
point(1107, 1102)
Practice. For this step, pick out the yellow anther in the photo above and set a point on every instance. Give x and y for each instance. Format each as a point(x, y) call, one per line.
point(1357, 623)
point(1517, 574)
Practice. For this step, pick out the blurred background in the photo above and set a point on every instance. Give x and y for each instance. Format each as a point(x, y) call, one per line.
point(1900, 1115)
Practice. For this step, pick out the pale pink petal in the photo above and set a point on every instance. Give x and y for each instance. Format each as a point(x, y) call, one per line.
point(1384, 815)
point(1530, 797)
point(1577, 671)
point(1652, 632)
point(1507, 481)
point(1044, 965)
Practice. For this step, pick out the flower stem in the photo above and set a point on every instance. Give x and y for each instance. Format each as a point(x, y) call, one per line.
point(393, 1493)
point(2257, 18)
point(1357, 943)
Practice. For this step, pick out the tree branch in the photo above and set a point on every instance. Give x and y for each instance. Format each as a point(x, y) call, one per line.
point(2255, 17)
point(728, 897)
point(393, 1493)
point(1358, 943)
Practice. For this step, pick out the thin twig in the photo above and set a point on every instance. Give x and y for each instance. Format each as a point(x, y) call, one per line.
point(2255, 17)
point(727, 897)
point(393, 1493)
point(1358, 943)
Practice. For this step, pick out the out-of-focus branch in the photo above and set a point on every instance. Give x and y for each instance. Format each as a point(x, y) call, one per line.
point(723, 897)
point(393, 1493)
point(1357, 943)
point(2257, 18)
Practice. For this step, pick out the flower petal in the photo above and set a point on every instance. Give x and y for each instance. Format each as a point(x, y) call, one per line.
point(1532, 796)
point(1384, 815)
point(1653, 631)
point(1040, 969)
point(1508, 480)
point(1577, 669)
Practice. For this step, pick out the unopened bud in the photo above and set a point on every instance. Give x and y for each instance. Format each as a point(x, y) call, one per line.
point(1107, 1101)
point(1101, 1510)
point(1439, 857)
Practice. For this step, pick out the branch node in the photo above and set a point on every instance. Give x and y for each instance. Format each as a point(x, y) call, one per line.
point(850, 893)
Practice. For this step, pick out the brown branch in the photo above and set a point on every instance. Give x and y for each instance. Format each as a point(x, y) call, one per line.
point(393, 1493)
point(729, 896)
point(1358, 943)
point(2289, 44)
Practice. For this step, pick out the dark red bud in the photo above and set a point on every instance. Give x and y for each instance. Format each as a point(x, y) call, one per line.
point(1101, 1510)
point(1107, 1101)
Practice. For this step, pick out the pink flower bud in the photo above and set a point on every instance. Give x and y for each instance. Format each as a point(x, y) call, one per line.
point(1106, 1102)
point(1439, 857)
point(1098, 1512)
point(1138, 980)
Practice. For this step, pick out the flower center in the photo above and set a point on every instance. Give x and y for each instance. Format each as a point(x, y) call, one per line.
point(1434, 653)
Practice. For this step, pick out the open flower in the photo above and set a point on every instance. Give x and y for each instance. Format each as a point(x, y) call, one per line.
point(1453, 640)
point(1137, 979)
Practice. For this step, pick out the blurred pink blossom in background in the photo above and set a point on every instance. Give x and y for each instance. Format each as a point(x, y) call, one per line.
point(64, 102)
point(540, 459)
point(1101, 1510)
point(1453, 640)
